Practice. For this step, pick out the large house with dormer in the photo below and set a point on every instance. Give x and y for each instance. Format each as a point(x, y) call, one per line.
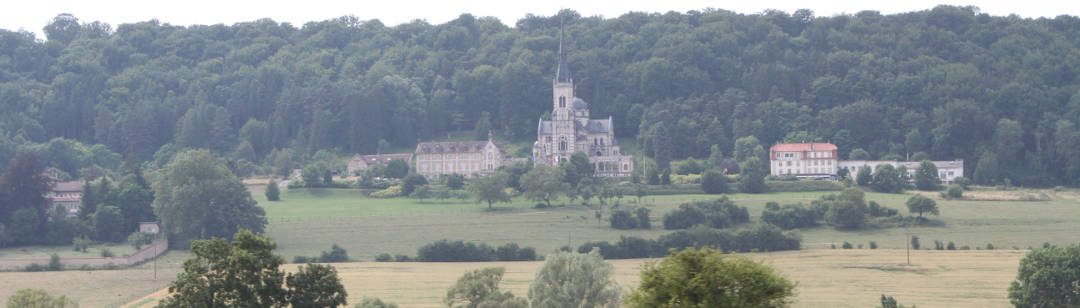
point(468, 158)
point(571, 130)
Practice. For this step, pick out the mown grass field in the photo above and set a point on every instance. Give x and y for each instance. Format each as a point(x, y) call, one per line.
point(826, 278)
point(93, 251)
point(100, 288)
point(308, 222)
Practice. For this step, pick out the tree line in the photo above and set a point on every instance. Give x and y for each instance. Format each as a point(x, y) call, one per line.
point(947, 82)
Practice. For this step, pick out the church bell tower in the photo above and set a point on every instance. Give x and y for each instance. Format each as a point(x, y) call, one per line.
point(562, 114)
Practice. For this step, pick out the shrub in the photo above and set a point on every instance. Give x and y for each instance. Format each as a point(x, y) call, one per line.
point(138, 239)
point(989, 246)
point(860, 246)
point(846, 245)
point(34, 267)
point(762, 237)
point(790, 216)
point(719, 213)
point(411, 182)
point(876, 210)
point(962, 181)
point(272, 191)
point(459, 251)
point(955, 192)
point(915, 242)
point(454, 180)
point(106, 253)
point(951, 246)
point(54, 263)
point(302, 259)
point(784, 185)
point(873, 245)
point(623, 220)
point(401, 258)
point(336, 254)
point(369, 302)
point(642, 215)
point(80, 243)
point(713, 182)
point(383, 257)
point(938, 245)
point(390, 192)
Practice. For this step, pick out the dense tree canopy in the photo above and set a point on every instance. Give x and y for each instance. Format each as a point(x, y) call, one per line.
point(197, 197)
point(948, 81)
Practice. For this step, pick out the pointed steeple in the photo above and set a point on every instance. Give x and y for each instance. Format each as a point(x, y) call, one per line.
point(562, 73)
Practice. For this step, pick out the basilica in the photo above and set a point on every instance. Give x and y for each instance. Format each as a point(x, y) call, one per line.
point(571, 130)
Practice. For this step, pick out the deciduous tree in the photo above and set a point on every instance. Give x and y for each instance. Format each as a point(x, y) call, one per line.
point(708, 278)
point(197, 197)
point(569, 279)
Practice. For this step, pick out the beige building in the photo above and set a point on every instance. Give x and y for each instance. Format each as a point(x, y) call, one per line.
point(803, 159)
point(571, 130)
point(468, 158)
point(68, 195)
point(362, 162)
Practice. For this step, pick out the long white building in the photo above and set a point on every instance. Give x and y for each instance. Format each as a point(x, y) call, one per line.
point(820, 160)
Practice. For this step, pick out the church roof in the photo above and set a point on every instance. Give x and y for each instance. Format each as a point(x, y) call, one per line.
point(580, 104)
point(545, 127)
point(598, 126)
point(453, 147)
point(562, 72)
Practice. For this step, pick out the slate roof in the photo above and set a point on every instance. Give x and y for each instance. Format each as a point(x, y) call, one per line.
point(545, 127)
point(382, 158)
point(68, 187)
point(452, 147)
point(601, 126)
point(580, 104)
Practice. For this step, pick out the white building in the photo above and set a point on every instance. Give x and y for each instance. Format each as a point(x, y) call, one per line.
point(947, 170)
point(807, 160)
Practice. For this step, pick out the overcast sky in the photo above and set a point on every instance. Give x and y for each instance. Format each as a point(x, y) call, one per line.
point(33, 15)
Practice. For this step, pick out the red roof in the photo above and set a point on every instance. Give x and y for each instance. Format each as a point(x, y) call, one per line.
point(799, 147)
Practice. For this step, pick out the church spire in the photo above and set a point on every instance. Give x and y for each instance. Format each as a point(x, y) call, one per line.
point(562, 73)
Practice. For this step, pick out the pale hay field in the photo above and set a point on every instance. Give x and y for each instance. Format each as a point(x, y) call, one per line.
point(826, 278)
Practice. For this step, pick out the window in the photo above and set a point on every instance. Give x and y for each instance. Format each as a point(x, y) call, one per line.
point(626, 167)
point(547, 139)
point(490, 156)
point(562, 145)
point(950, 173)
point(489, 167)
point(598, 153)
point(562, 101)
point(789, 163)
point(601, 141)
point(423, 168)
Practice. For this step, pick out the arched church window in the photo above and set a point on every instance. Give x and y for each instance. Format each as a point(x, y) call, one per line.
point(562, 144)
point(562, 101)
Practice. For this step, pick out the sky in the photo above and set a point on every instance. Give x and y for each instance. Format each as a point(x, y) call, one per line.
point(34, 15)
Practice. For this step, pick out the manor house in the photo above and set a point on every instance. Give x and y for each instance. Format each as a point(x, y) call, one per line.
point(571, 130)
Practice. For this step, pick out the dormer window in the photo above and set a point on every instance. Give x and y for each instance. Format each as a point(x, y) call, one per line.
point(562, 101)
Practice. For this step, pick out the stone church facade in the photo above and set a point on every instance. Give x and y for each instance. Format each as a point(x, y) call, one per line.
point(571, 130)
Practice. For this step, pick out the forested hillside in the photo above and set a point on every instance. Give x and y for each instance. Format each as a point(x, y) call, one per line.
point(1003, 92)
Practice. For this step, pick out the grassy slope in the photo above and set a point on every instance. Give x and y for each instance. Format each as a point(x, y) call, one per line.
point(309, 222)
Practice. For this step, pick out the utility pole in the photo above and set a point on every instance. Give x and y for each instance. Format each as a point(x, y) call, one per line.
point(908, 246)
